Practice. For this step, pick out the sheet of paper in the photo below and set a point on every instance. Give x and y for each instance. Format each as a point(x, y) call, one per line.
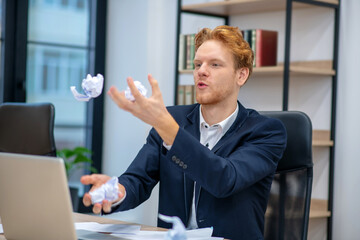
point(108, 228)
point(92, 227)
point(88, 235)
point(196, 234)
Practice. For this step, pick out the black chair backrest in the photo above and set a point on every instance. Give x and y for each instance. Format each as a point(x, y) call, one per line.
point(27, 128)
point(287, 215)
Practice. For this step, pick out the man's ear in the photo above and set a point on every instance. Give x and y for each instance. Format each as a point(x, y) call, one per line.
point(242, 75)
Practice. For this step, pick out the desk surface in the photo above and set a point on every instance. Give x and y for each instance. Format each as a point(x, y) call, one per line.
point(79, 217)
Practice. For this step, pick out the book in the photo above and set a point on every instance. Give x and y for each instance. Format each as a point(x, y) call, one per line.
point(253, 44)
point(189, 99)
point(266, 48)
point(182, 53)
point(180, 95)
point(247, 37)
point(190, 51)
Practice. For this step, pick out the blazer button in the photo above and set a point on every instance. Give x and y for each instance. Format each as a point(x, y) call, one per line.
point(177, 161)
point(173, 158)
point(181, 163)
point(185, 166)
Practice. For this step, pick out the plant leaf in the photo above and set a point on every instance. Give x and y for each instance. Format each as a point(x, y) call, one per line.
point(82, 158)
point(81, 150)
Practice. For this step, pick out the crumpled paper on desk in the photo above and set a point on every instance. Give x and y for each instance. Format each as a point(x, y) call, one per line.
point(178, 231)
point(108, 191)
point(92, 87)
point(141, 89)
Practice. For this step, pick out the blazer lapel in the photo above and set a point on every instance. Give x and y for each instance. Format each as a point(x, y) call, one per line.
point(192, 127)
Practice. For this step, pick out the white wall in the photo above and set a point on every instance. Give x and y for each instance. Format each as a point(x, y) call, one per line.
point(140, 40)
point(347, 152)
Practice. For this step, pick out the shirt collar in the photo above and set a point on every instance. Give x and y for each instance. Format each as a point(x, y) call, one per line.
point(225, 124)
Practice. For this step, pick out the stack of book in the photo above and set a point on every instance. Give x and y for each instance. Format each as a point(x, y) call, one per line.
point(186, 51)
point(186, 95)
point(264, 45)
point(262, 42)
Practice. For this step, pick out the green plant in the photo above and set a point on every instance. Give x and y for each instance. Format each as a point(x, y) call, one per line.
point(76, 158)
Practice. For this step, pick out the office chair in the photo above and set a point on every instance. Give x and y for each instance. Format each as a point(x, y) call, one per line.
point(27, 128)
point(287, 215)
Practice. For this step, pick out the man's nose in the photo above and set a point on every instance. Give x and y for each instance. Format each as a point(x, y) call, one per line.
point(203, 70)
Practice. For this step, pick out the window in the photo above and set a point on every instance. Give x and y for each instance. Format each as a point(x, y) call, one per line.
point(46, 47)
point(57, 58)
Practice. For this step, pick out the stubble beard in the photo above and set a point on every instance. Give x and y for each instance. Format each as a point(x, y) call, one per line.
point(210, 99)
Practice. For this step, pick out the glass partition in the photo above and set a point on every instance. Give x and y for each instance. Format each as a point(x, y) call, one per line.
point(57, 58)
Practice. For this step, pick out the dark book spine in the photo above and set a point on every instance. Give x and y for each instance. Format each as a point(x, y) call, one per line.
point(266, 48)
point(253, 45)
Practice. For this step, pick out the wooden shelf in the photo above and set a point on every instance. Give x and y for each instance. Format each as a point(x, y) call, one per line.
point(319, 208)
point(309, 68)
point(233, 7)
point(321, 138)
point(186, 71)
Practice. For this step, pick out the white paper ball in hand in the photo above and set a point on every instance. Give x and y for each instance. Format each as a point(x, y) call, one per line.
point(141, 89)
point(108, 191)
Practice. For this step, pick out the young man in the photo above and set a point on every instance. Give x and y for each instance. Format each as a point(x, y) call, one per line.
point(215, 160)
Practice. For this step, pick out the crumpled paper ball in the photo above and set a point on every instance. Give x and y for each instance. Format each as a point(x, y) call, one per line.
point(141, 89)
point(108, 191)
point(92, 87)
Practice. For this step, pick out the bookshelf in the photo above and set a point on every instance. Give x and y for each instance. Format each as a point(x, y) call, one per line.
point(318, 209)
point(309, 68)
point(298, 70)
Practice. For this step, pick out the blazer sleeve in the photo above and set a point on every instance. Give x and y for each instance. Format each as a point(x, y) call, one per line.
point(250, 154)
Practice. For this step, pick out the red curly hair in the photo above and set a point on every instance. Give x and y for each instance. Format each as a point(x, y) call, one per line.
point(233, 40)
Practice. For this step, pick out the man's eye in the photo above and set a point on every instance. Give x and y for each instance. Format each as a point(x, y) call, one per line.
point(215, 65)
point(197, 65)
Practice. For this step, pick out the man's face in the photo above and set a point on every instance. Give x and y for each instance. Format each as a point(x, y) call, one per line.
point(216, 80)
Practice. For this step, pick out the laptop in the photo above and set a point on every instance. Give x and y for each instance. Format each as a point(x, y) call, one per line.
point(35, 200)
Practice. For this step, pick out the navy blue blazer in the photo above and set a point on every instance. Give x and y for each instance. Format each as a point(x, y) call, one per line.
point(234, 177)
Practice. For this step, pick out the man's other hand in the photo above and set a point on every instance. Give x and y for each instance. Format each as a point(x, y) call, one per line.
point(150, 110)
point(96, 180)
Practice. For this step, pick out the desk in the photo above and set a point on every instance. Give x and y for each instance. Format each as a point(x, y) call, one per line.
point(79, 217)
